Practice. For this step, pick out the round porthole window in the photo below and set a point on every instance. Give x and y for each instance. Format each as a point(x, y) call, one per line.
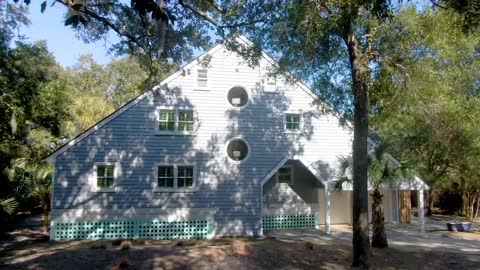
point(237, 149)
point(237, 96)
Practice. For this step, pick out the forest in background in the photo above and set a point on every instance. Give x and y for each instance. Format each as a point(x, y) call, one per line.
point(425, 104)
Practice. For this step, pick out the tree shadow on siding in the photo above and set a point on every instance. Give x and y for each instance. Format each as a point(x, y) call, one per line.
point(229, 193)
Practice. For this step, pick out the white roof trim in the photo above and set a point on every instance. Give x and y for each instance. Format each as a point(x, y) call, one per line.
point(283, 161)
point(407, 184)
point(97, 126)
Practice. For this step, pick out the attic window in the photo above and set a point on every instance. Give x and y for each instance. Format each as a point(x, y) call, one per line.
point(270, 84)
point(285, 175)
point(237, 149)
point(293, 121)
point(202, 78)
point(237, 96)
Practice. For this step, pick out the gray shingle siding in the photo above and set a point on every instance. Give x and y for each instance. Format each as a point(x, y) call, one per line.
point(232, 191)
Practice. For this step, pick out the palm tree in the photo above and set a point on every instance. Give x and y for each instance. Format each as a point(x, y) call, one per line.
point(37, 176)
point(383, 169)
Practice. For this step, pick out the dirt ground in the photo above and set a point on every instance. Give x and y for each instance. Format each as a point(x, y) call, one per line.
point(34, 252)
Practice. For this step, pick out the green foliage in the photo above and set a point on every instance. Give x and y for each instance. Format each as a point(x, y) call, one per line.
point(383, 169)
point(426, 97)
point(469, 9)
point(9, 205)
point(95, 90)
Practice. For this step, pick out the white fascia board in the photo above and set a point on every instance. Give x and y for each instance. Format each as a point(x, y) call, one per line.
point(97, 126)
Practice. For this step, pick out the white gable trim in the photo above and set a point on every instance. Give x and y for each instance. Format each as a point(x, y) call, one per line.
point(282, 163)
point(97, 126)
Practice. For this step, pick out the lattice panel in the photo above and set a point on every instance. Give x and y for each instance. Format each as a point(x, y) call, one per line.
point(192, 229)
point(288, 222)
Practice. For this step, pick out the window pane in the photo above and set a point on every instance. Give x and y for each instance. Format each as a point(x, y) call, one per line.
point(185, 115)
point(109, 171)
point(237, 96)
point(202, 74)
point(237, 149)
point(293, 121)
point(284, 178)
point(167, 120)
point(202, 78)
point(167, 115)
point(202, 83)
point(165, 177)
point(100, 171)
point(185, 176)
point(185, 126)
point(185, 120)
point(105, 177)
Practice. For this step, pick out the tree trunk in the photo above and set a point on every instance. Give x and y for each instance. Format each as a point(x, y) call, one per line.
point(379, 238)
point(46, 222)
point(360, 77)
point(430, 203)
point(476, 207)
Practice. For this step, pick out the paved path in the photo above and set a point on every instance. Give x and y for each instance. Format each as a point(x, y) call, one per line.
point(402, 236)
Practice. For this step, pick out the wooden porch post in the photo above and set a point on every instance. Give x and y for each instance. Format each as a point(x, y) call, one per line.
point(327, 210)
point(421, 210)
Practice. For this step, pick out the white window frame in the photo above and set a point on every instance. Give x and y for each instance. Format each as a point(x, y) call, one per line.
point(116, 173)
point(248, 147)
point(176, 110)
point(174, 120)
point(156, 176)
point(175, 188)
point(201, 88)
point(267, 86)
point(300, 128)
point(292, 174)
point(248, 97)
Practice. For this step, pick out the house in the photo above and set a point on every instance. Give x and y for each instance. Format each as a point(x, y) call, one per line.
point(217, 149)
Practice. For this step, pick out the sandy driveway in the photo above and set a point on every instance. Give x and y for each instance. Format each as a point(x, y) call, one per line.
point(406, 237)
point(309, 249)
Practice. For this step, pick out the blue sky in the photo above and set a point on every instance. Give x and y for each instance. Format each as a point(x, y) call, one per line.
point(61, 40)
point(63, 43)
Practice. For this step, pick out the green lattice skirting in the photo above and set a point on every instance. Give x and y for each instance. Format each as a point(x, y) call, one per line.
point(192, 229)
point(288, 222)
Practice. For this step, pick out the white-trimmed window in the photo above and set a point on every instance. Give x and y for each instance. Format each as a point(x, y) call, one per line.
point(185, 120)
point(105, 174)
point(202, 78)
point(185, 176)
point(175, 121)
point(293, 121)
point(173, 177)
point(270, 84)
point(237, 149)
point(166, 119)
point(165, 176)
point(285, 175)
point(237, 96)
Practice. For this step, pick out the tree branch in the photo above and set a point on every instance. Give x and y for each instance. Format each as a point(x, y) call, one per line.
point(106, 22)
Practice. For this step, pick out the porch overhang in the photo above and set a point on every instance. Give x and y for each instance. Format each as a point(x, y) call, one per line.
point(307, 165)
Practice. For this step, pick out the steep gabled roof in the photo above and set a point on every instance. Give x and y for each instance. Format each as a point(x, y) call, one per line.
point(133, 102)
point(128, 105)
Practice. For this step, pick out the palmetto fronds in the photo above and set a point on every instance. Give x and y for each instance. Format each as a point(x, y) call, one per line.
point(9, 205)
point(383, 169)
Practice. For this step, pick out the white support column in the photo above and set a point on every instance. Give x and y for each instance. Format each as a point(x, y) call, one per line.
point(327, 210)
point(421, 210)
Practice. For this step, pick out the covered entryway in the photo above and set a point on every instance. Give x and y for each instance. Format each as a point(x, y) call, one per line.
point(290, 197)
